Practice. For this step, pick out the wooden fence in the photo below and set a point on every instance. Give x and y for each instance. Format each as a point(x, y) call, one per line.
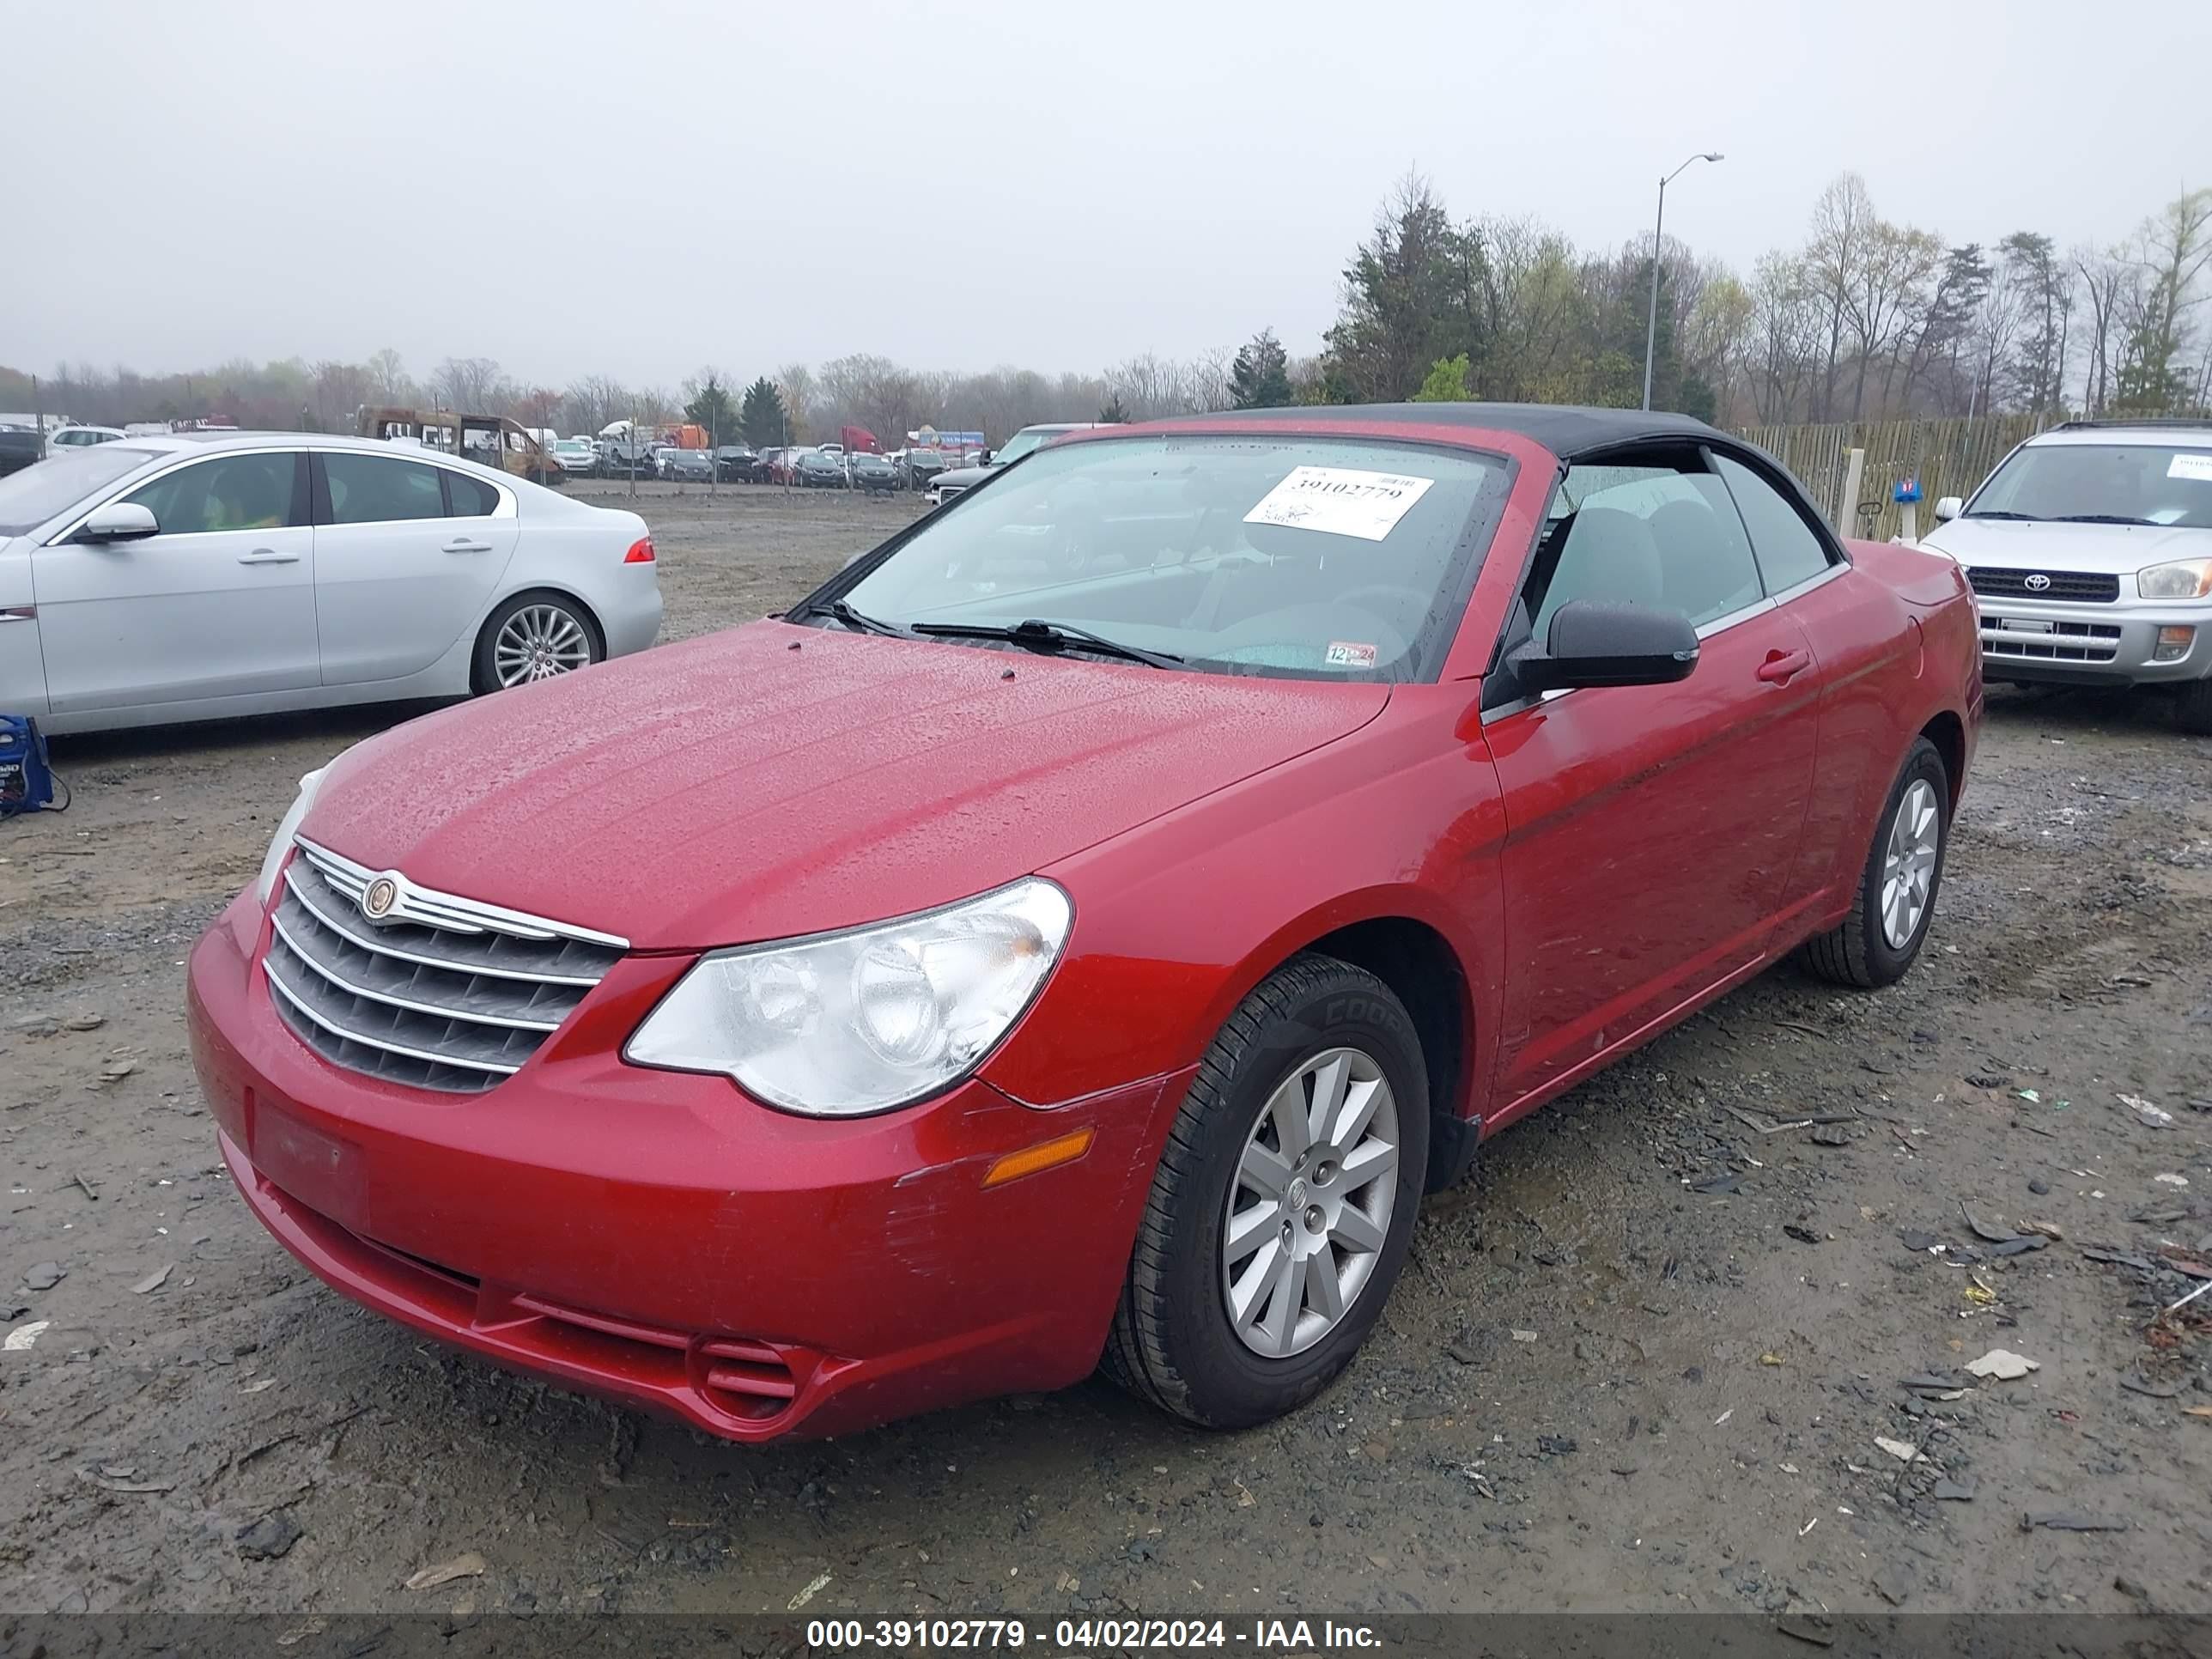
point(1949, 457)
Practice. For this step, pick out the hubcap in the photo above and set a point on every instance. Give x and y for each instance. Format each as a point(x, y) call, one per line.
point(538, 643)
point(1908, 868)
point(1311, 1205)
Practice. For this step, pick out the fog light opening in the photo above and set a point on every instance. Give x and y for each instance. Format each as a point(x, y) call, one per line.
point(2173, 644)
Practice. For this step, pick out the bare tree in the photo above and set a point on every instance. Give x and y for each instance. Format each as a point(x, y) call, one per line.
point(471, 384)
point(1842, 221)
point(2108, 280)
point(1890, 287)
point(341, 389)
point(2172, 252)
point(387, 378)
point(800, 394)
point(594, 403)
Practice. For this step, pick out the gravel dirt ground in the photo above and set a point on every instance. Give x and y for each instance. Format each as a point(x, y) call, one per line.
point(1647, 1358)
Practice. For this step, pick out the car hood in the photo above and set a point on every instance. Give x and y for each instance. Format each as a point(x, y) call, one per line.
point(2023, 544)
point(966, 477)
point(773, 780)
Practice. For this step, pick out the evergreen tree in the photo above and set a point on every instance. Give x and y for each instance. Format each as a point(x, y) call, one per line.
point(763, 416)
point(1261, 376)
point(711, 406)
point(1446, 382)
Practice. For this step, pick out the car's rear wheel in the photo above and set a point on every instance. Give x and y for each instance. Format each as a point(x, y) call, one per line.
point(2192, 709)
point(1896, 896)
point(1284, 1203)
point(536, 637)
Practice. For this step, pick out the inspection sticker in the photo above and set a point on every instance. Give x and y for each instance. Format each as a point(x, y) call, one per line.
point(1340, 501)
point(1348, 654)
point(2183, 465)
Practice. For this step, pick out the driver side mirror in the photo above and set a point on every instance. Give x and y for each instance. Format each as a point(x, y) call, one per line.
point(1948, 508)
point(118, 521)
point(1595, 643)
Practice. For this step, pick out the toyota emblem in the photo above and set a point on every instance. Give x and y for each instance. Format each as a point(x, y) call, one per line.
point(383, 893)
point(2037, 583)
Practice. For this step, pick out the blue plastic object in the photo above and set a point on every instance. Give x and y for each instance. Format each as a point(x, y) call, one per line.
point(27, 782)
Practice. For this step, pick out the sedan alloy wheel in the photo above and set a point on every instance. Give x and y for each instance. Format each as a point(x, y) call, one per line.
point(539, 639)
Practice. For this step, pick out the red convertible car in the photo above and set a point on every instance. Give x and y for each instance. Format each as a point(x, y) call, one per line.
point(1084, 928)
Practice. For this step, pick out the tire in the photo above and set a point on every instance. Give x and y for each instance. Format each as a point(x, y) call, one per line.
point(1862, 953)
point(561, 620)
point(2192, 709)
point(1174, 1342)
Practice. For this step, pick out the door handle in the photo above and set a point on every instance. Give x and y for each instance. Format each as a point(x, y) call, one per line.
point(464, 545)
point(1780, 665)
point(268, 555)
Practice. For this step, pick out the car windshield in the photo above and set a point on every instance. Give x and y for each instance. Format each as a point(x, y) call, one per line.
point(1290, 557)
point(30, 497)
point(1020, 445)
point(2102, 484)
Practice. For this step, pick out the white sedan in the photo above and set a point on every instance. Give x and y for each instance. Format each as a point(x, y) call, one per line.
point(200, 576)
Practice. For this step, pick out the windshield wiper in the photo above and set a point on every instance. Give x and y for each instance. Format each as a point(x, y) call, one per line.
point(1033, 634)
point(860, 621)
point(1998, 513)
point(2097, 518)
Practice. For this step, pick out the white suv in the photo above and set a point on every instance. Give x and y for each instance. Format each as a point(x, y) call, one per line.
point(2090, 553)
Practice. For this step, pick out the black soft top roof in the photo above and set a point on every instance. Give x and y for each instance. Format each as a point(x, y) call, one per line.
point(1563, 428)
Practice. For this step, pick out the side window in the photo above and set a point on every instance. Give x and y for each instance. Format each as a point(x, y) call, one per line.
point(1788, 551)
point(1662, 534)
point(472, 498)
point(377, 489)
point(248, 491)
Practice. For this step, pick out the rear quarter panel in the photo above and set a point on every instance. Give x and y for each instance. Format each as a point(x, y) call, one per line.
point(1897, 647)
point(574, 549)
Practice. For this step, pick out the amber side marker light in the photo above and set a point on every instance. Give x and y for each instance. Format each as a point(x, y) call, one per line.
point(1045, 1155)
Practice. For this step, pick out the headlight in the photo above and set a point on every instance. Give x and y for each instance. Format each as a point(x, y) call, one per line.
point(282, 844)
point(2185, 579)
point(858, 1022)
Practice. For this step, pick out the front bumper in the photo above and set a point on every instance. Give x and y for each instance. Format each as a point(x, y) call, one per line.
point(661, 1239)
point(2077, 644)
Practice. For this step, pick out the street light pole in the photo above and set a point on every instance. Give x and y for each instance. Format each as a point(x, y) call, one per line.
point(1651, 323)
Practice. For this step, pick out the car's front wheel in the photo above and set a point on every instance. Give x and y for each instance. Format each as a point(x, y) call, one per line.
point(1284, 1203)
point(1896, 896)
point(535, 637)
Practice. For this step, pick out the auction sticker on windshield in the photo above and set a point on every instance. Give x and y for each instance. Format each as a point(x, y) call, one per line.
point(2198, 467)
point(1340, 501)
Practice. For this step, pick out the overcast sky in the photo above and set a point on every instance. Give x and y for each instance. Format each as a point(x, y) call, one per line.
point(637, 187)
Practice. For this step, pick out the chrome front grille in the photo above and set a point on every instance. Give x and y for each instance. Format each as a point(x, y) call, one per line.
point(438, 993)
